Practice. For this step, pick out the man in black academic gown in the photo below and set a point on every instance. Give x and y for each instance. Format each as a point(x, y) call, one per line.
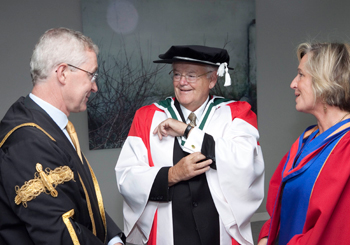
point(48, 191)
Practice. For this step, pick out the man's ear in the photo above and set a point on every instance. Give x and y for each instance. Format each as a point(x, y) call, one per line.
point(61, 73)
point(213, 79)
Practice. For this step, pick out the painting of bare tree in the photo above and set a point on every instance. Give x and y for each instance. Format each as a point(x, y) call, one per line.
point(132, 33)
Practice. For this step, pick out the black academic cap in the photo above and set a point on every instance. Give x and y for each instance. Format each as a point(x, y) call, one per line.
point(196, 54)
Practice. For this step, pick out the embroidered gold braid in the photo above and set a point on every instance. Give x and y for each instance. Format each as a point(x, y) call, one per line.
point(89, 207)
point(34, 187)
point(23, 125)
point(43, 182)
point(99, 198)
point(70, 228)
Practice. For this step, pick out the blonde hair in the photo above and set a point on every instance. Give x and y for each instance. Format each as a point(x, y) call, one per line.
point(329, 66)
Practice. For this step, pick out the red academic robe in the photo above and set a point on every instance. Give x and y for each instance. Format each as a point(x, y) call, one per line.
point(326, 220)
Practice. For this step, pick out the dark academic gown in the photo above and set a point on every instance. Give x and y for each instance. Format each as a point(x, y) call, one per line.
point(33, 215)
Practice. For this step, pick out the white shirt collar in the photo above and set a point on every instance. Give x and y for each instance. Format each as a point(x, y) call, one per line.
point(198, 112)
point(57, 115)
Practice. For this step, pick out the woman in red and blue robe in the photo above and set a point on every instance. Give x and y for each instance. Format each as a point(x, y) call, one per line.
point(309, 193)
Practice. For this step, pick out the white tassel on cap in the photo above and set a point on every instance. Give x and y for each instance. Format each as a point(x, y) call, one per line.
point(223, 69)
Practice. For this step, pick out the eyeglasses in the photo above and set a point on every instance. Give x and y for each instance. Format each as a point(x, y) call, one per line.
point(190, 78)
point(93, 75)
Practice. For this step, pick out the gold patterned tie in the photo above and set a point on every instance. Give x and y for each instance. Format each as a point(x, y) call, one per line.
point(192, 118)
point(74, 137)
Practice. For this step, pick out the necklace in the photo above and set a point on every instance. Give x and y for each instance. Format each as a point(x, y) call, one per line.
point(343, 117)
point(335, 123)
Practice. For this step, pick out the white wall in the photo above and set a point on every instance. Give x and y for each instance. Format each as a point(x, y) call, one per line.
point(281, 26)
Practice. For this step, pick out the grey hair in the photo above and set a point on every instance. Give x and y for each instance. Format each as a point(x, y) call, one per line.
point(56, 46)
point(211, 68)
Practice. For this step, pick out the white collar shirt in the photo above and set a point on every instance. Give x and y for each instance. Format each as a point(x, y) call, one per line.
point(57, 115)
point(198, 112)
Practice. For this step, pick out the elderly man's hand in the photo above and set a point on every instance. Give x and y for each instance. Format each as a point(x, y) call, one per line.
point(188, 167)
point(170, 127)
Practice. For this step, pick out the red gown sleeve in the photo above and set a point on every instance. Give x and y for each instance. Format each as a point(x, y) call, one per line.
point(274, 185)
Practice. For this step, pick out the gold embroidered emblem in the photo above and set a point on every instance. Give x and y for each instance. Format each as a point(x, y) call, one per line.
point(44, 181)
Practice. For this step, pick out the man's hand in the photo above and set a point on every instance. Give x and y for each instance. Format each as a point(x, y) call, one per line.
point(188, 167)
point(170, 127)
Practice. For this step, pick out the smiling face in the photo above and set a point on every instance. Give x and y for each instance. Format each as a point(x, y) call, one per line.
point(79, 85)
point(192, 95)
point(303, 89)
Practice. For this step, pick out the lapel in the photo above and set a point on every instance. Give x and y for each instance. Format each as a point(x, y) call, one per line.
point(178, 108)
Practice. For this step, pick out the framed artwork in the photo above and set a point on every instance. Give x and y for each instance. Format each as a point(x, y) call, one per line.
point(132, 33)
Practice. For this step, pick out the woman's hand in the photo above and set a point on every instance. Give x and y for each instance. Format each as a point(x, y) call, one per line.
point(263, 241)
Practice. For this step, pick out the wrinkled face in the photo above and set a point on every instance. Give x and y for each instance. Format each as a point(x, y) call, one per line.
point(192, 95)
point(79, 85)
point(302, 85)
